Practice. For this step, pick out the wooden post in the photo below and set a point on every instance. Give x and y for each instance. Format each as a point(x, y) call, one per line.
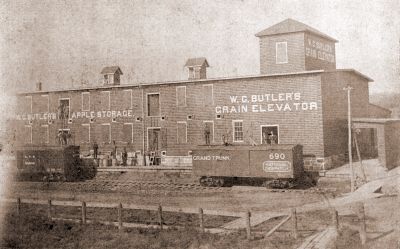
point(83, 213)
point(49, 209)
point(361, 217)
point(120, 216)
point(201, 220)
point(248, 225)
point(18, 206)
point(160, 218)
point(294, 223)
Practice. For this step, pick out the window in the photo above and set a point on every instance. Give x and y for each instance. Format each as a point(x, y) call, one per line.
point(191, 72)
point(85, 101)
point(181, 132)
point(128, 132)
point(208, 132)
point(237, 130)
point(127, 98)
point(64, 108)
point(208, 95)
point(269, 134)
point(105, 100)
point(44, 133)
point(281, 52)
point(85, 136)
point(181, 96)
point(106, 132)
point(153, 104)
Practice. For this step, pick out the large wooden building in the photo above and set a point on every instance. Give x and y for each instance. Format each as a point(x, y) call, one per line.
point(298, 98)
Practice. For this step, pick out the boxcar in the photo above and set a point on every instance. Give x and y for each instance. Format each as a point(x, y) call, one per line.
point(52, 163)
point(276, 165)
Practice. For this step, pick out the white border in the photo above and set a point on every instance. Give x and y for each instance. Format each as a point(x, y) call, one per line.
point(88, 125)
point(269, 125)
point(159, 104)
point(131, 102)
point(48, 101)
point(85, 93)
point(177, 101)
point(109, 132)
point(177, 129)
point(210, 121)
point(212, 92)
point(109, 99)
point(276, 53)
point(233, 130)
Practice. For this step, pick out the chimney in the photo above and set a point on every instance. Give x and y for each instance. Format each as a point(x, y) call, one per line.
point(39, 86)
point(197, 68)
point(111, 75)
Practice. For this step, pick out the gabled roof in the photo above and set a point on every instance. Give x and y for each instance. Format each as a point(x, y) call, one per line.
point(291, 26)
point(193, 62)
point(111, 70)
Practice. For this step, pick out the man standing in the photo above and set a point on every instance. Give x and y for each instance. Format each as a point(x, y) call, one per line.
point(114, 150)
point(124, 157)
point(95, 150)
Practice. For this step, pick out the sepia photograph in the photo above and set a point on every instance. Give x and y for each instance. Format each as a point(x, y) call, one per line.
point(260, 124)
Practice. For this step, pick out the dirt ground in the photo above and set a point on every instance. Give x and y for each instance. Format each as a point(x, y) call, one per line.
point(34, 228)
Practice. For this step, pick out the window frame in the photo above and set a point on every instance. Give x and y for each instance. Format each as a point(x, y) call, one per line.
point(69, 105)
point(48, 101)
point(212, 93)
point(159, 104)
point(177, 132)
point(131, 125)
point(31, 134)
point(177, 99)
point(130, 97)
point(276, 53)
point(85, 93)
point(109, 132)
point(268, 125)
point(47, 132)
point(233, 131)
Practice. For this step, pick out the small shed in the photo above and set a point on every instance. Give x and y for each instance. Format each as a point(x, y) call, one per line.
point(197, 68)
point(385, 138)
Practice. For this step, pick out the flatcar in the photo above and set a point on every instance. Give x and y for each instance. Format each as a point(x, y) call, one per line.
point(277, 166)
point(52, 163)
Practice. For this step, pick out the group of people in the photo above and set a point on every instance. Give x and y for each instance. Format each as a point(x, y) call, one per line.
point(124, 155)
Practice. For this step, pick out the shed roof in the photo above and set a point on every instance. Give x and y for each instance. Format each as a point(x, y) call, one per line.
point(111, 70)
point(375, 120)
point(291, 26)
point(200, 61)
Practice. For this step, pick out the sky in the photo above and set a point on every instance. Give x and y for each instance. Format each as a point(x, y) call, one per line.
point(66, 43)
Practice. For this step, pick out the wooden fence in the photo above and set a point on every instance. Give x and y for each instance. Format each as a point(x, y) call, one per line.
point(160, 209)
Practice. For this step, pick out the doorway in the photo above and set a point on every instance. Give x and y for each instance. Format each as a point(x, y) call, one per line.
point(269, 134)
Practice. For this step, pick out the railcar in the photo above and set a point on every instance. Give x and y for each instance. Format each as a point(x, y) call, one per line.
point(52, 163)
point(278, 166)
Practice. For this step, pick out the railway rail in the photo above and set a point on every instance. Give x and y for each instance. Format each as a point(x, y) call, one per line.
point(128, 186)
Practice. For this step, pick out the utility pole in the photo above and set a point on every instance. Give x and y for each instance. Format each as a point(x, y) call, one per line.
point(348, 89)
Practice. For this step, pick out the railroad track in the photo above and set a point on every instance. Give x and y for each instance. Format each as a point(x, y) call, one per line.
point(148, 186)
